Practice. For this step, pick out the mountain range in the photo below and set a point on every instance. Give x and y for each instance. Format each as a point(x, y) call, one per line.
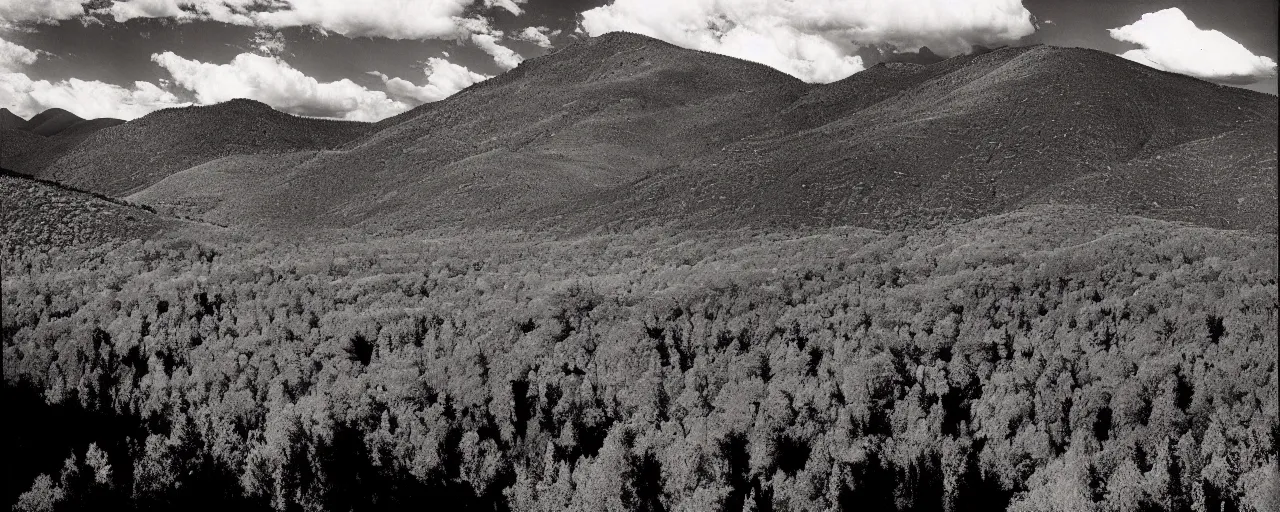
point(623, 130)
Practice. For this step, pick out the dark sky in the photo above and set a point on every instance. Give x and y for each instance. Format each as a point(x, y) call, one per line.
point(120, 54)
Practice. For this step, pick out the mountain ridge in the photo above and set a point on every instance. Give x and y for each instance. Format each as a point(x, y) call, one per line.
point(624, 129)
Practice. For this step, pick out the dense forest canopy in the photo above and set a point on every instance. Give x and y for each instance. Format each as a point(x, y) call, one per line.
point(1048, 359)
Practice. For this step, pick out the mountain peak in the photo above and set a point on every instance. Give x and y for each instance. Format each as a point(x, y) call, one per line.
point(624, 37)
point(243, 104)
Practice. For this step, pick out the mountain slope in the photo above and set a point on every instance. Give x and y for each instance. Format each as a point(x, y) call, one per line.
point(11, 121)
point(139, 153)
point(590, 117)
point(623, 129)
point(30, 153)
point(975, 136)
point(37, 214)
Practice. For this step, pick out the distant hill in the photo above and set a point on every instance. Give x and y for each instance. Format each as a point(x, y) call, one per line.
point(134, 155)
point(621, 130)
point(28, 152)
point(52, 122)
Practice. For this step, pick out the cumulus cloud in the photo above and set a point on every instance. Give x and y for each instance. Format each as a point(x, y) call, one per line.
point(1171, 42)
point(38, 11)
point(265, 78)
point(85, 98)
point(540, 36)
point(125, 11)
point(394, 19)
point(815, 40)
point(444, 78)
point(14, 56)
point(272, 81)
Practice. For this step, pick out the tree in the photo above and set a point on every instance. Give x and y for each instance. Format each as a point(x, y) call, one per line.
point(44, 496)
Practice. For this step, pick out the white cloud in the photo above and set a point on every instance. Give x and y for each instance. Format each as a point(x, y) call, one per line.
point(84, 98)
point(540, 36)
point(511, 6)
point(444, 78)
point(394, 19)
point(39, 11)
point(1171, 42)
point(125, 11)
point(486, 38)
point(272, 81)
point(814, 40)
point(505, 57)
point(266, 42)
point(14, 56)
point(264, 78)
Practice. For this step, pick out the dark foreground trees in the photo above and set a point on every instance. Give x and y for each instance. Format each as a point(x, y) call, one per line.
point(999, 364)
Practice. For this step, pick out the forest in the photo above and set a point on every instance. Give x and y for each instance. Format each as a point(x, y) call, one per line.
point(1032, 361)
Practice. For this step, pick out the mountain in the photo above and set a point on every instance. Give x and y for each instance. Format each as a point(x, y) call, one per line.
point(29, 153)
point(588, 118)
point(52, 121)
point(139, 153)
point(622, 130)
point(11, 121)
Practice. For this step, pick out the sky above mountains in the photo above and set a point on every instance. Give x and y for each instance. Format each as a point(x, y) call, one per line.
point(371, 59)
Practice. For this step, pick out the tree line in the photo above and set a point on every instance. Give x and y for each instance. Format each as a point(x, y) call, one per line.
point(1014, 364)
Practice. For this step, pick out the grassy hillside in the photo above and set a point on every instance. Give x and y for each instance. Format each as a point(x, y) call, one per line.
point(1052, 358)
